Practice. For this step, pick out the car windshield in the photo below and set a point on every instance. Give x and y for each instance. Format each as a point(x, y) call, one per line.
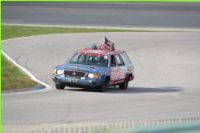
point(90, 59)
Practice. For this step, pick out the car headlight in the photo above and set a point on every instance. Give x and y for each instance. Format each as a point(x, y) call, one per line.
point(54, 71)
point(60, 72)
point(93, 75)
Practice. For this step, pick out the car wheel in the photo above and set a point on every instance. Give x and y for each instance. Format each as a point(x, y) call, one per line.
point(104, 86)
point(60, 86)
point(124, 85)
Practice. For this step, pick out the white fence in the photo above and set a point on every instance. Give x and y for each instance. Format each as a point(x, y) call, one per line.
point(109, 127)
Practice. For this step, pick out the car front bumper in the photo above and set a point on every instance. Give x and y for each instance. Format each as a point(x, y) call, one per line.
point(76, 82)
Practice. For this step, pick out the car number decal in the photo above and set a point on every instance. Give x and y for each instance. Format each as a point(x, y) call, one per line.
point(71, 80)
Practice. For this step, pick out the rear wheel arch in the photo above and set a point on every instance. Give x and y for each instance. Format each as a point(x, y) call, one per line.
point(129, 76)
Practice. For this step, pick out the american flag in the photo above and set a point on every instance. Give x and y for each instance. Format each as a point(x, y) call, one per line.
point(105, 47)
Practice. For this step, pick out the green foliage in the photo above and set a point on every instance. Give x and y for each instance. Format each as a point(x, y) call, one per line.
point(13, 31)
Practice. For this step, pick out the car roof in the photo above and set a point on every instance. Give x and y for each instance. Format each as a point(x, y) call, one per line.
point(99, 52)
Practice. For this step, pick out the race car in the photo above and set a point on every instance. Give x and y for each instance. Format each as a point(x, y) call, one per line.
point(95, 68)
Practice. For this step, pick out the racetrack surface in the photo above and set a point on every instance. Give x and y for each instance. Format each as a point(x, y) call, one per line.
point(166, 84)
point(131, 14)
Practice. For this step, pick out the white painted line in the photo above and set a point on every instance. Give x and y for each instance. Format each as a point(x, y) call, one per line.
point(18, 38)
point(25, 70)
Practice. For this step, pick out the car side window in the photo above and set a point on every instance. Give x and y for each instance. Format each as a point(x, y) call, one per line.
point(112, 61)
point(125, 58)
point(74, 59)
point(119, 60)
point(81, 59)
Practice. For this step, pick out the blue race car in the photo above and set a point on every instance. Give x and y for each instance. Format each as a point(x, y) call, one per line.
point(95, 68)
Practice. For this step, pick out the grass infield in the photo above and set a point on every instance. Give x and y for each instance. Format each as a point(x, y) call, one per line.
point(13, 31)
point(13, 78)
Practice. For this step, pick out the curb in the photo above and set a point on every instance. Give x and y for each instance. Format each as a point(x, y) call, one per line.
point(36, 88)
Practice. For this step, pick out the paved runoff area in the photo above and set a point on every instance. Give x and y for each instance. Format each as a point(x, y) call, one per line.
point(166, 85)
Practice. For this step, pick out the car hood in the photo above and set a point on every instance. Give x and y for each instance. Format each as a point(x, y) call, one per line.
point(86, 68)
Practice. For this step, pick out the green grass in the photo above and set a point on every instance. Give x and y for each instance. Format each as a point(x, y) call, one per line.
point(12, 77)
point(13, 31)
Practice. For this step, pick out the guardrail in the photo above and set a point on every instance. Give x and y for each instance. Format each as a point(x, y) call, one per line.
point(108, 127)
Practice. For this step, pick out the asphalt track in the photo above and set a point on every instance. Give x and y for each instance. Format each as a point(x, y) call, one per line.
point(171, 15)
point(166, 85)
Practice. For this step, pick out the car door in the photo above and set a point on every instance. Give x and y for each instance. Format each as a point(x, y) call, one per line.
point(117, 68)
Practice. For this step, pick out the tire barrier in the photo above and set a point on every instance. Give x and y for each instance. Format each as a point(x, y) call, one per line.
point(109, 127)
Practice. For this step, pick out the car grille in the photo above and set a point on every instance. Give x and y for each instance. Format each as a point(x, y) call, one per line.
point(74, 73)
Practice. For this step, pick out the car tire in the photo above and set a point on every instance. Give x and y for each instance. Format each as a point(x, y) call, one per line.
point(59, 86)
point(124, 85)
point(104, 86)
